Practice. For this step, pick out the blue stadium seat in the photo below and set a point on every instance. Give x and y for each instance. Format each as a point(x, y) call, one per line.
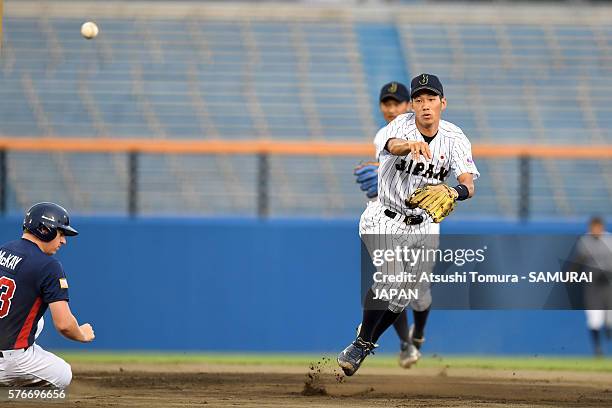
point(211, 78)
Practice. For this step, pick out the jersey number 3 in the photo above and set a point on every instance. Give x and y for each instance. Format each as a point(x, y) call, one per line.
point(7, 290)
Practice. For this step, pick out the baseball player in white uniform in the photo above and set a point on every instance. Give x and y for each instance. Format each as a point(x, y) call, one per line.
point(394, 100)
point(415, 151)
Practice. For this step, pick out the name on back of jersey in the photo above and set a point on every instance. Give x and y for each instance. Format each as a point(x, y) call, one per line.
point(418, 169)
point(8, 260)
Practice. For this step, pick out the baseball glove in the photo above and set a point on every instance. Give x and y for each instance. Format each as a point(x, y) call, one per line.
point(437, 200)
point(367, 177)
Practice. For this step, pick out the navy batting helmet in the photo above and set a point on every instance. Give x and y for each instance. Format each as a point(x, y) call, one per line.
point(45, 219)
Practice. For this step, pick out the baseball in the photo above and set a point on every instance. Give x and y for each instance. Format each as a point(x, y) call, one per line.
point(89, 30)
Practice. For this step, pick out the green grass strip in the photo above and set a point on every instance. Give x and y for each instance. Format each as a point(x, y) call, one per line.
point(379, 360)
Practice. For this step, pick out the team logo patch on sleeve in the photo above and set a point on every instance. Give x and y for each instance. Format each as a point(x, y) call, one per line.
point(63, 283)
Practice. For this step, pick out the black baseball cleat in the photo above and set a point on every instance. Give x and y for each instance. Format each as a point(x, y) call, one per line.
point(350, 358)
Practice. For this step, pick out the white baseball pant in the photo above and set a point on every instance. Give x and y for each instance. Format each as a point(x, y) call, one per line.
point(34, 366)
point(387, 233)
point(596, 319)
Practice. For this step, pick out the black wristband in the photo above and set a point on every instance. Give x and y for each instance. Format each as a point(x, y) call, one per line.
point(463, 191)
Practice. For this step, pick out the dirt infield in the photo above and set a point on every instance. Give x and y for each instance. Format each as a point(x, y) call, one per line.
point(206, 385)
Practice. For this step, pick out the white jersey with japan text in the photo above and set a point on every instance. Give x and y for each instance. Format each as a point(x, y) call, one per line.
point(400, 176)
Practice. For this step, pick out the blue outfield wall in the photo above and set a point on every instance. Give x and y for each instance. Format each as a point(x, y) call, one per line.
point(264, 285)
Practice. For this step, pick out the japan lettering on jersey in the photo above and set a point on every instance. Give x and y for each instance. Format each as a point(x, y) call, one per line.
point(29, 281)
point(400, 176)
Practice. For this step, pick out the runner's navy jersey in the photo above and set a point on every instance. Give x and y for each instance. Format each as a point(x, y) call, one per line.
point(29, 281)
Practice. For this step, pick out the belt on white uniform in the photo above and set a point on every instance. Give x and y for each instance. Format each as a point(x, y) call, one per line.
point(406, 219)
point(9, 353)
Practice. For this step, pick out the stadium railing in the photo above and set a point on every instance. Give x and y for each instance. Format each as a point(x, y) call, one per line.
point(263, 149)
